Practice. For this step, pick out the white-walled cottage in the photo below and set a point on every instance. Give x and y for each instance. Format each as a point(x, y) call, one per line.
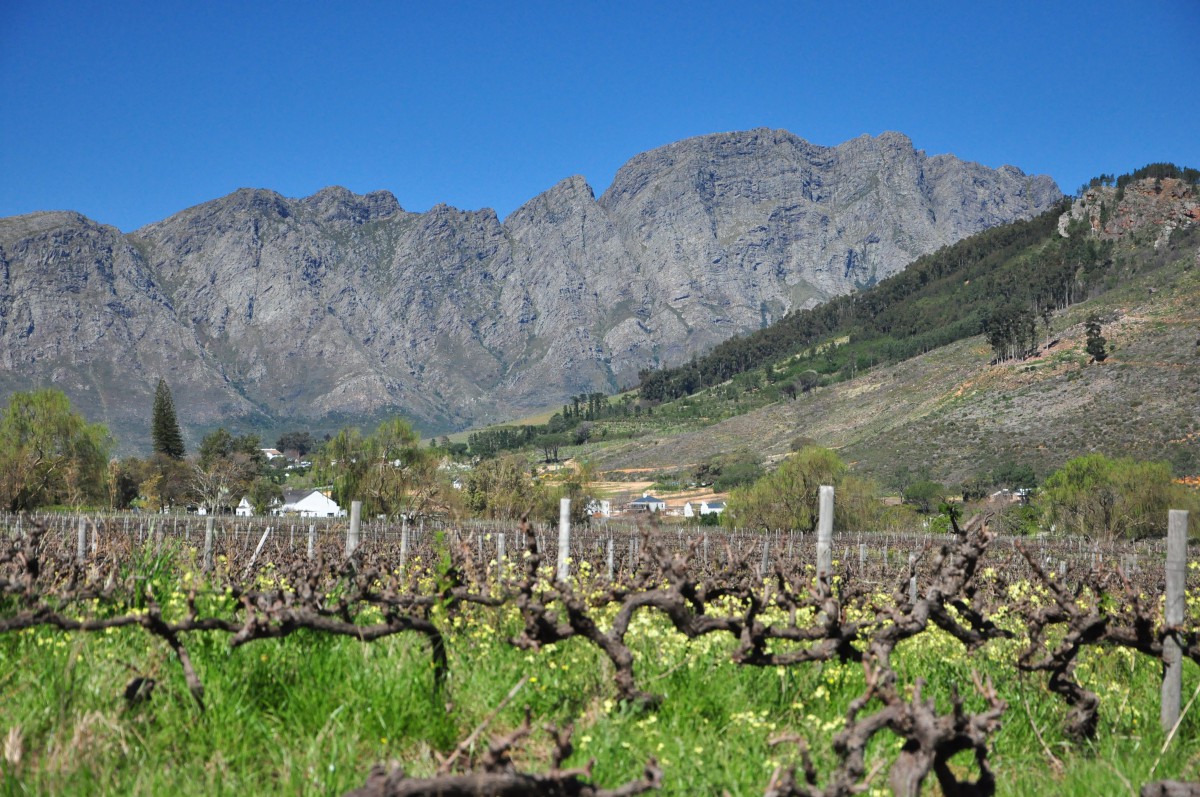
point(308, 503)
point(648, 503)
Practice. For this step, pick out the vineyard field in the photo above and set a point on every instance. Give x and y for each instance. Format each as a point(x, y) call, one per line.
point(711, 661)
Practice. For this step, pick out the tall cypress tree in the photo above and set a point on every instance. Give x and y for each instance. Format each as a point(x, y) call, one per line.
point(163, 425)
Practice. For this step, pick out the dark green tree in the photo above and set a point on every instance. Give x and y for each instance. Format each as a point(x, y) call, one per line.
point(925, 495)
point(301, 443)
point(1014, 475)
point(1095, 341)
point(164, 426)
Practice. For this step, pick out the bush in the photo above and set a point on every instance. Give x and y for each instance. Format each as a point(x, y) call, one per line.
point(787, 498)
point(925, 496)
point(1110, 498)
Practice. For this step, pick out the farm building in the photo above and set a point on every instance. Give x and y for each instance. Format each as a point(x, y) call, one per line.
point(308, 503)
point(648, 503)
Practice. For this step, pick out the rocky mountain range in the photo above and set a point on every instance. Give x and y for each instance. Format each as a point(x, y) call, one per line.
point(260, 310)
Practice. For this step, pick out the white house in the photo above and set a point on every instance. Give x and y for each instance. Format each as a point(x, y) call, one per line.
point(308, 503)
point(703, 508)
point(599, 507)
point(272, 453)
point(244, 508)
point(648, 503)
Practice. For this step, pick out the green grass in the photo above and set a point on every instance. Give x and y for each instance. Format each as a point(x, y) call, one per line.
point(310, 714)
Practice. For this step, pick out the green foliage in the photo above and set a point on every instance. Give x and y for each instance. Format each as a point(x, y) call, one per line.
point(263, 494)
point(787, 498)
point(502, 489)
point(164, 426)
point(1018, 519)
point(575, 425)
point(976, 488)
point(550, 444)
point(490, 442)
point(925, 495)
point(1095, 341)
point(1160, 171)
point(727, 471)
point(939, 298)
point(1110, 498)
point(226, 468)
point(162, 482)
point(301, 443)
point(220, 444)
point(1011, 330)
point(50, 454)
point(389, 471)
point(1014, 475)
point(124, 478)
point(343, 463)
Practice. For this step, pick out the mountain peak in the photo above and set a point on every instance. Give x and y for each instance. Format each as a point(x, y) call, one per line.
point(336, 203)
point(342, 304)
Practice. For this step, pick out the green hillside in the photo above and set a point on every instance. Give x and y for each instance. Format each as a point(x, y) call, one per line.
point(957, 414)
point(974, 357)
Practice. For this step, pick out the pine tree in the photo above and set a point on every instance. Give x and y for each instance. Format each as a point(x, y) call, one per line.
point(164, 426)
point(1095, 341)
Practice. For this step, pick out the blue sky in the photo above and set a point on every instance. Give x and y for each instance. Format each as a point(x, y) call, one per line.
point(129, 111)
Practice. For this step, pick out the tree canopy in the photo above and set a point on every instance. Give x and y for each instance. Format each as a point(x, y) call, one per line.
point(787, 498)
point(164, 426)
point(50, 454)
point(228, 467)
point(389, 471)
point(1108, 499)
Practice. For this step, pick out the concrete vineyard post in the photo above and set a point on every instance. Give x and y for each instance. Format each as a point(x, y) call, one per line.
point(355, 525)
point(81, 540)
point(564, 538)
point(208, 543)
point(825, 532)
point(312, 539)
point(500, 551)
point(258, 549)
point(403, 539)
point(610, 558)
point(1172, 685)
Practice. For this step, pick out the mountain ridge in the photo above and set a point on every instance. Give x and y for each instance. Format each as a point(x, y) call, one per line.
point(267, 309)
point(960, 408)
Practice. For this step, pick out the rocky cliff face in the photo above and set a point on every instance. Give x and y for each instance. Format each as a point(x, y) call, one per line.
point(1161, 206)
point(339, 306)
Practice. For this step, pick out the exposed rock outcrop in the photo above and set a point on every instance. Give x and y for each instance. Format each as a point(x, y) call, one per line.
point(341, 306)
